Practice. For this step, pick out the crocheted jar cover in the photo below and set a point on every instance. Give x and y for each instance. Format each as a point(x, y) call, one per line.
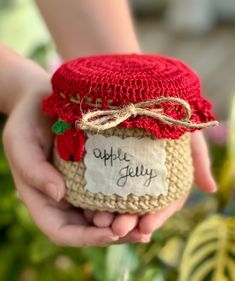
point(111, 81)
point(179, 178)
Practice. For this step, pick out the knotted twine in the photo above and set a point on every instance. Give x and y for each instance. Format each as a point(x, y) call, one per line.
point(101, 120)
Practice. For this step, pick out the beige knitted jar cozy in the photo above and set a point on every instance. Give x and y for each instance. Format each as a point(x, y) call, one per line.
point(123, 128)
point(179, 179)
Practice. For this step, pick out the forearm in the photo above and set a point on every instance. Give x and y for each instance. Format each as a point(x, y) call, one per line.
point(18, 76)
point(85, 27)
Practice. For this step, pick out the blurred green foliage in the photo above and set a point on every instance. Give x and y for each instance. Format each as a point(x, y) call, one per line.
point(27, 255)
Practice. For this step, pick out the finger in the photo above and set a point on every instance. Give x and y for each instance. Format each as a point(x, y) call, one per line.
point(89, 215)
point(28, 161)
point(201, 162)
point(103, 219)
point(152, 221)
point(122, 224)
point(75, 233)
point(134, 236)
point(84, 236)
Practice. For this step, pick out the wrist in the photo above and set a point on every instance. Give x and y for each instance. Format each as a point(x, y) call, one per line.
point(29, 79)
point(35, 80)
point(19, 76)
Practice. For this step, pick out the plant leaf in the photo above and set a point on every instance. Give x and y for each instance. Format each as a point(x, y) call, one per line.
point(41, 249)
point(120, 260)
point(22, 20)
point(210, 251)
point(152, 274)
point(171, 252)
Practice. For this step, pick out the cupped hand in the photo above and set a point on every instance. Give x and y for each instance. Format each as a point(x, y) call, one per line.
point(27, 140)
point(130, 226)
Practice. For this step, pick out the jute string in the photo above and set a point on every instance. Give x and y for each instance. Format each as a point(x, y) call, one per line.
point(101, 120)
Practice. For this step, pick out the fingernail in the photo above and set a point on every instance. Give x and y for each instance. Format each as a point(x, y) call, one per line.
point(110, 239)
point(115, 238)
point(54, 191)
point(146, 239)
point(214, 186)
point(214, 190)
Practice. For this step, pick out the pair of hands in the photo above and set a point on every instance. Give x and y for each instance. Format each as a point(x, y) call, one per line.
point(27, 140)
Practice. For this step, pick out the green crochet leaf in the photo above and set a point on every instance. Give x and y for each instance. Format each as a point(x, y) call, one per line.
point(59, 127)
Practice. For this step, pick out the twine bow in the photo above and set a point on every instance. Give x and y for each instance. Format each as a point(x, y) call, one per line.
point(105, 119)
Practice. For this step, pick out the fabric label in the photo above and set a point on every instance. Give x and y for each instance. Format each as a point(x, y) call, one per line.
point(123, 166)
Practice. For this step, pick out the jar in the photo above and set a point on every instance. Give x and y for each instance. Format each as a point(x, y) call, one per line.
point(123, 126)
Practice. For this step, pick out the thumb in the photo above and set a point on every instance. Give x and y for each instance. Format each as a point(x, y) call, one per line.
point(201, 162)
point(27, 159)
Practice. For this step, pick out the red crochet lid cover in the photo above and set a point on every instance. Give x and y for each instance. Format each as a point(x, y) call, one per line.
point(116, 80)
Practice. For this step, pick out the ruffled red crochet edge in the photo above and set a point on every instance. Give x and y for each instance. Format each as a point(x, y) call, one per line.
point(70, 145)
